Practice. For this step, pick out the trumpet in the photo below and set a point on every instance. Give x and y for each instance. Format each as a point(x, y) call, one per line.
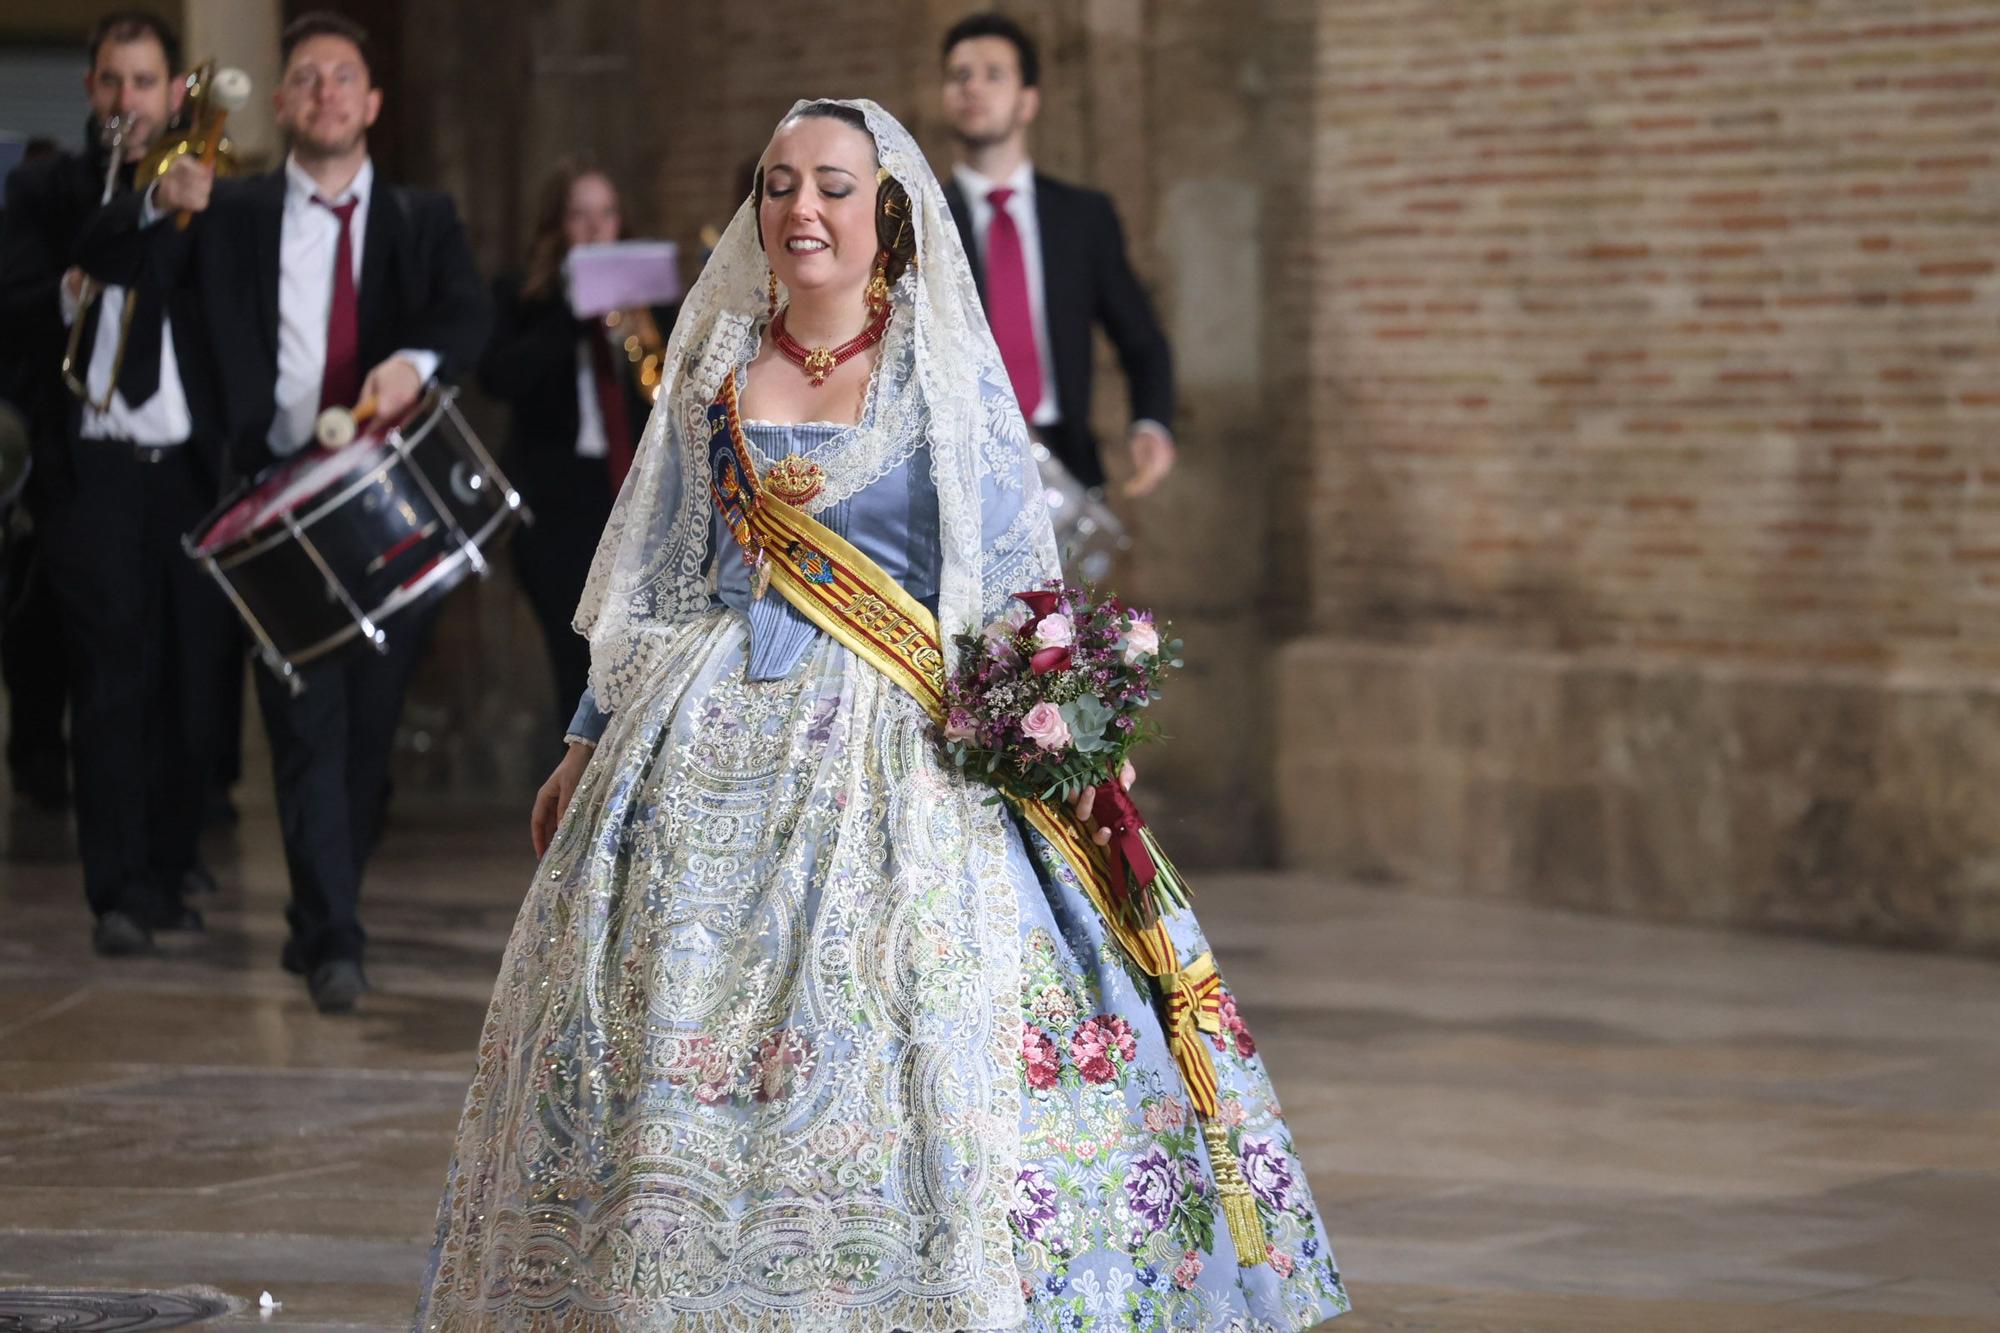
point(211, 95)
point(111, 137)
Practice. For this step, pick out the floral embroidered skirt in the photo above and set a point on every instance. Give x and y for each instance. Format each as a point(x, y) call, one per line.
point(796, 1030)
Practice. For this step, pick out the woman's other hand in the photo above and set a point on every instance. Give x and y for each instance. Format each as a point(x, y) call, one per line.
point(552, 801)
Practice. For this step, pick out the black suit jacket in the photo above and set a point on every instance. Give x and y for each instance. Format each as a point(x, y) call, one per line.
point(1086, 278)
point(50, 203)
point(531, 366)
point(419, 288)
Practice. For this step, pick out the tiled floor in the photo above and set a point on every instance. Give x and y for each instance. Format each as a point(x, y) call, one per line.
point(1516, 1120)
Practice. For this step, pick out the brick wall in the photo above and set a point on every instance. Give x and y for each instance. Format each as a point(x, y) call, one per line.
point(1653, 562)
point(1670, 328)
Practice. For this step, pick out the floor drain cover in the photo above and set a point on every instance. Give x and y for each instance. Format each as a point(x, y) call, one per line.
point(103, 1311)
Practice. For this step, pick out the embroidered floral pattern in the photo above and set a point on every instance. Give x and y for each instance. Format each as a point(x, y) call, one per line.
point(1116, 1218)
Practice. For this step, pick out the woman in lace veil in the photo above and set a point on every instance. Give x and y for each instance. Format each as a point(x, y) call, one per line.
point(795, 1029)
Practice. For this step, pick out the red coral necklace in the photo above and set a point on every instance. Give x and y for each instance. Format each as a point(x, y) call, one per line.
point(819, 362)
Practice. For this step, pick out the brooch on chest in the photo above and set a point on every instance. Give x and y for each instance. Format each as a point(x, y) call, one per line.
point(795, 480)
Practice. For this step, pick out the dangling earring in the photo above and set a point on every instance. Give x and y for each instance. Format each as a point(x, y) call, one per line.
point(771, 295)
point(878, 286)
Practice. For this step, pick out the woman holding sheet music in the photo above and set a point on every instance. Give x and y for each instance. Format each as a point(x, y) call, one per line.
point(577, 411)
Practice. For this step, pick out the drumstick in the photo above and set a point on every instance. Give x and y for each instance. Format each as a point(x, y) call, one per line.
point(229, 88)
point(336, 427)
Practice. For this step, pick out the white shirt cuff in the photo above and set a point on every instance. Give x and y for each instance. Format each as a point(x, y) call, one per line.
point(148, 214)
point(425, 362)
point(1148, 421)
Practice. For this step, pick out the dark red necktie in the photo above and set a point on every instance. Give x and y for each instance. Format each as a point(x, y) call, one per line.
point(610, 406)
point(1007, 308)
point(340, 383)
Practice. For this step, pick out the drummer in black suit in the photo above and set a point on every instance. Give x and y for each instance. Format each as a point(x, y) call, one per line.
point(318, 286)
point(578, 411)
point(120, 474)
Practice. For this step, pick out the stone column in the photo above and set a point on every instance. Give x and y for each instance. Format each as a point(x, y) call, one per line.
point(243, 33)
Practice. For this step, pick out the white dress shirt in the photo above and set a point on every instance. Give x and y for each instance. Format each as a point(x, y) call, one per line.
point(309, 238)
point(162, 419)
point(1021, 208)
point(591, 441)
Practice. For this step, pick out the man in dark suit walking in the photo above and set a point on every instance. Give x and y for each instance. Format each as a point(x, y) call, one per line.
point(1050, 260)
point(123, 467)
point(318, 285)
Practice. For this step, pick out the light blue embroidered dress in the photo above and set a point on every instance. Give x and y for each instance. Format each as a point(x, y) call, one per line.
point(702, 1083)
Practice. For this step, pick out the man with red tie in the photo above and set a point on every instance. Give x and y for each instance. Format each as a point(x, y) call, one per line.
point(318, 285)
point(1050, 260)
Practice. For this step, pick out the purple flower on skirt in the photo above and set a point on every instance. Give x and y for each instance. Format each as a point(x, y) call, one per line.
point(1153, 1187)
point(1034, 1204)
point(1268, 1171)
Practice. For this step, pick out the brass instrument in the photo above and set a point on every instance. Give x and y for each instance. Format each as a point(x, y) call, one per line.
point(198, 129)
point(111, 137)
point(645, 347)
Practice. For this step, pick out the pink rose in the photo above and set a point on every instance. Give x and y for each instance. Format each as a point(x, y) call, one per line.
point(1281, 1263)
point(1044, 726)
point(1187, 1270)
point(1141, 641)
point(1056, 631)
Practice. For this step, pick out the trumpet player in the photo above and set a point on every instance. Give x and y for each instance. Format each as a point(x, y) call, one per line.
point(125, 463)
point(319, 285)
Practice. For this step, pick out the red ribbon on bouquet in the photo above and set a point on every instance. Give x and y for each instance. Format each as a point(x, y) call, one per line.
point(1112, 808)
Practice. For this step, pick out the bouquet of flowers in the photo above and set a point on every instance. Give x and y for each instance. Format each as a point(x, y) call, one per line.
point(1049, 700)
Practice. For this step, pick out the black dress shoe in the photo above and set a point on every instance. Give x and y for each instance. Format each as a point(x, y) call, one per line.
point(336, 985)
point(119, 934)
point(196, 881)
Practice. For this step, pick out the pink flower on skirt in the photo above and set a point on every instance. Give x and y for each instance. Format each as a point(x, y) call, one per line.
point(1039, 1058)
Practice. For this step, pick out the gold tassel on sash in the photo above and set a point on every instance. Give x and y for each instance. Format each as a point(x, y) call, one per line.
point(1239, 1205)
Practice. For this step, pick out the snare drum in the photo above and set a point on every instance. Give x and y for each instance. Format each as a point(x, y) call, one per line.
point(324, 548)
point(1089, 537)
